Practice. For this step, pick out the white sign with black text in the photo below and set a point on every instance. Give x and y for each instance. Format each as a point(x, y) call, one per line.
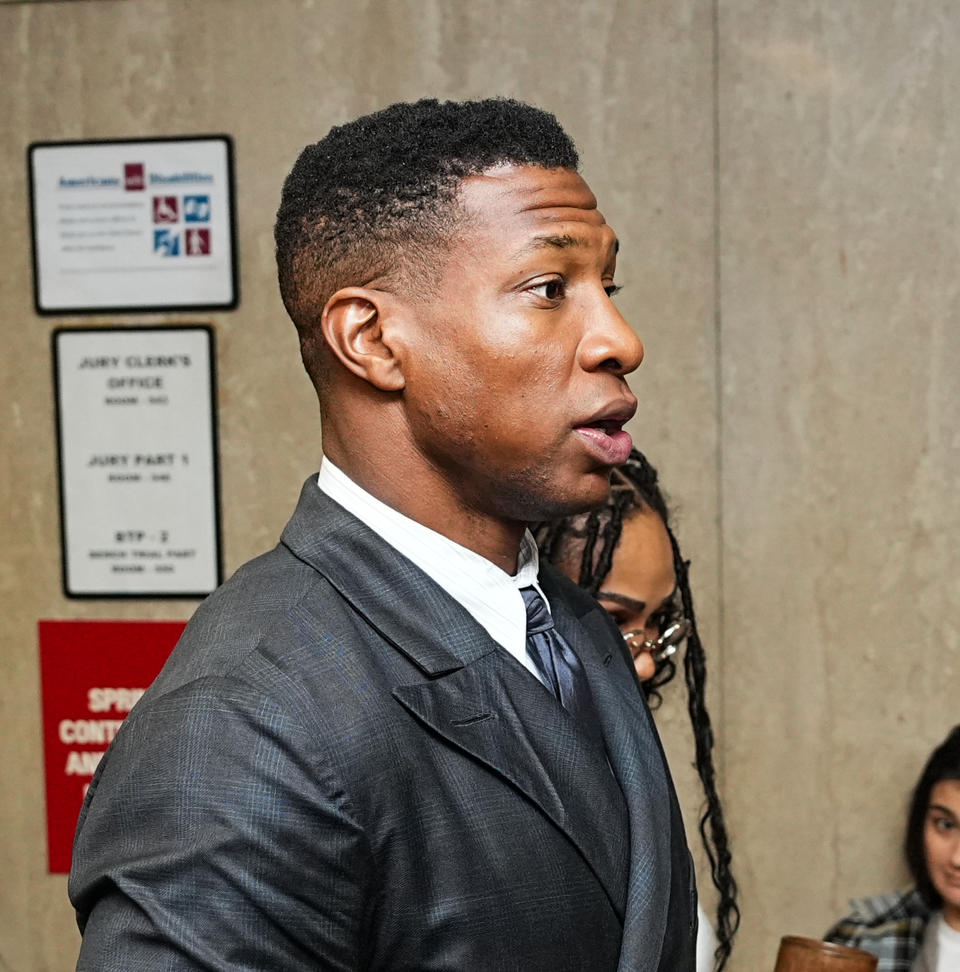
point(138, 462)
point(133, 225)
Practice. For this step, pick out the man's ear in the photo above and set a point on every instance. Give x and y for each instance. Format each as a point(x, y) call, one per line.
point(356, 326)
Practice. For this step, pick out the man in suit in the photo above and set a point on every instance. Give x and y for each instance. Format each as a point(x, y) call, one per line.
point(395, 742)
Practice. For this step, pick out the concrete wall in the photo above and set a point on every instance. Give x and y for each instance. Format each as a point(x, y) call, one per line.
point(840, 443)
point(783, 178)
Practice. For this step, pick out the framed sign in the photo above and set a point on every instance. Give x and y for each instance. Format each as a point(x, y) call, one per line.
point(139, 477)
point(133, 225)
point(91, 675)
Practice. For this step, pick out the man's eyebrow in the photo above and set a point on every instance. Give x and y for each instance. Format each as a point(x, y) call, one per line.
point(559, 241)
point(628, 602)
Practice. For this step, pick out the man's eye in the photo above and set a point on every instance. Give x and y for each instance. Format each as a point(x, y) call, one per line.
point(612, 290)
point(550, 290)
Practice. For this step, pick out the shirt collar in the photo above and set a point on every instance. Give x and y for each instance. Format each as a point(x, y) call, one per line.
point(490, 595)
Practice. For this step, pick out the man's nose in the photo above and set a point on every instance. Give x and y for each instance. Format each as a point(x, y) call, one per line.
point(610, 342)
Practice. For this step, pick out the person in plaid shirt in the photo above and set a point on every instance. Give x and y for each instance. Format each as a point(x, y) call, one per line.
point(919, 930)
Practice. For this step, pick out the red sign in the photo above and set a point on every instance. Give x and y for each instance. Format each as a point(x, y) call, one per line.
point(91, 674)
point(133, 177)
point(166, 209)
point(198, 242)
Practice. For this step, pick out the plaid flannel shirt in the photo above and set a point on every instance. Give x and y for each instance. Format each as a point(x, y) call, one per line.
point(889, 926)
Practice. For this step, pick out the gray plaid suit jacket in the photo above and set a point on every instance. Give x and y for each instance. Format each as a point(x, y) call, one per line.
point(339, 769)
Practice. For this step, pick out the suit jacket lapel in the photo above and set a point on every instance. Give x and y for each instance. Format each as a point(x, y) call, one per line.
point(500, 713)
point(640, 768)
point(404, 605)
point(475, 694)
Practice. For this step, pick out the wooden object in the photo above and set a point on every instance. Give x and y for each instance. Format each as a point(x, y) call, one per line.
point(798, 954)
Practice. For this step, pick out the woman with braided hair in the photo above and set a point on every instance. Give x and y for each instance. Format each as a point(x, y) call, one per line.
point(626, 556)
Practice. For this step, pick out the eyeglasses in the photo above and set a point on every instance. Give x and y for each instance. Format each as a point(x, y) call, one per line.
point(663, 647)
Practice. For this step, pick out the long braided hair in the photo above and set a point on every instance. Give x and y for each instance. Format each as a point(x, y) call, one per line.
point(634, 488)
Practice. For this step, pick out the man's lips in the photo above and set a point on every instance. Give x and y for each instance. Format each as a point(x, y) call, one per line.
point(612, 416)
point(607, 426)
point(605, 436)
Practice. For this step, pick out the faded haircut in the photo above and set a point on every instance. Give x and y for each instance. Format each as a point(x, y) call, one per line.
point(376, 198)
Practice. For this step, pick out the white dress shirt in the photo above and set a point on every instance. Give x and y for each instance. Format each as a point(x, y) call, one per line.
point(490, 595)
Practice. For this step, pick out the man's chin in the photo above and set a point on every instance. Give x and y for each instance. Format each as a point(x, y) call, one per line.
point(589, 496)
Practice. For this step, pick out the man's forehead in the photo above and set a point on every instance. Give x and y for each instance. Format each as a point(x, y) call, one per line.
point(550, 195)
point(536, 207)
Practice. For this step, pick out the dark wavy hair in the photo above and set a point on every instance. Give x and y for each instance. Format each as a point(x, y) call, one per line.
point(634, 488)
point(943, 764)
point(377, 198)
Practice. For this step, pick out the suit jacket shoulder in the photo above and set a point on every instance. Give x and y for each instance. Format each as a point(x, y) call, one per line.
point(339, 769)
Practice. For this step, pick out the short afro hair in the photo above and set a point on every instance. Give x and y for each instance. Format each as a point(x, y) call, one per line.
point(377, 197)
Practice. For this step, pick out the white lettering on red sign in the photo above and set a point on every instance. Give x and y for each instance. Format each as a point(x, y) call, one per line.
point(86, 731)
point(117, 699)
point(83, 763)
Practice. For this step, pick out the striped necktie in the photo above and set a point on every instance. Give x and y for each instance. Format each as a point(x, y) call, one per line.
point(558, 664)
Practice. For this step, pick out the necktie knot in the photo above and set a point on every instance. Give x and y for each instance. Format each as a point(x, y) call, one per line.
point(538, 614)
point(558, 664)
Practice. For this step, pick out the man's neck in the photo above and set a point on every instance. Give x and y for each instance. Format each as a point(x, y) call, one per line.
point(495, 539)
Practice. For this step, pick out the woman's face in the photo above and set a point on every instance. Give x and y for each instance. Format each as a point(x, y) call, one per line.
point(941, 843)
point(640, 590)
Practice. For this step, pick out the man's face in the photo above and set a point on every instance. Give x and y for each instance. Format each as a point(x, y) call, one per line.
point(514, 381)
